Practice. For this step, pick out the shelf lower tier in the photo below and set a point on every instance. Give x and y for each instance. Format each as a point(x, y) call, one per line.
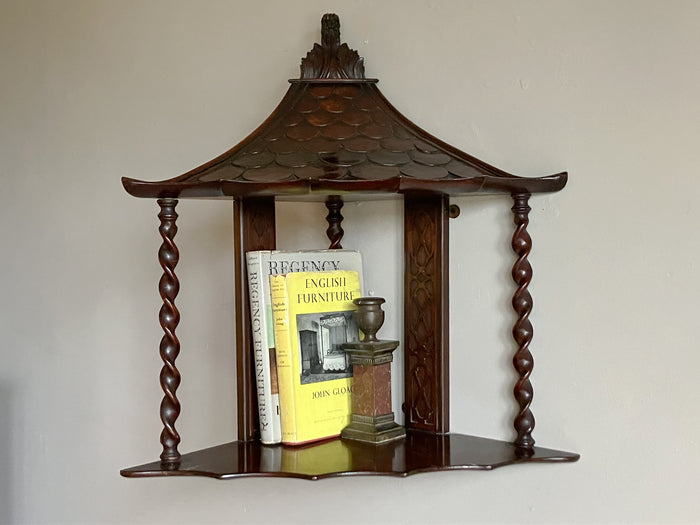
point(419, 452)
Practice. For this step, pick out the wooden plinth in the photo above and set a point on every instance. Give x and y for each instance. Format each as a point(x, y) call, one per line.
point(419, 452)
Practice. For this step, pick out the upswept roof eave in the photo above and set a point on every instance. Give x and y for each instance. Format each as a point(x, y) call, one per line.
point(303, 187)
point(334, 130)
point(181, 181)
point(494, 177)
point(444, 146)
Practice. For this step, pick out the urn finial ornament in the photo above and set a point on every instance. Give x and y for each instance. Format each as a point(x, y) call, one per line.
point(370, 317)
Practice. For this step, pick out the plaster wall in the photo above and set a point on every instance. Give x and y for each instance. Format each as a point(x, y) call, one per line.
point(95, 90)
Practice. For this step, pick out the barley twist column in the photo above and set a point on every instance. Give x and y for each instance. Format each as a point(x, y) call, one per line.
point(524, 421)
point(169, 317)
point(335, 231)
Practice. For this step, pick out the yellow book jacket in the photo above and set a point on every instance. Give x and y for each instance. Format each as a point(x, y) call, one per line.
point(313, 314)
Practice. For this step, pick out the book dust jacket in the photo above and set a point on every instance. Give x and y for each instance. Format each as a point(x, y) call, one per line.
point(313, 316)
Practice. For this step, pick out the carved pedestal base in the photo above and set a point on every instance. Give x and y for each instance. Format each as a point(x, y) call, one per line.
point(372, 419)
point(373, 429)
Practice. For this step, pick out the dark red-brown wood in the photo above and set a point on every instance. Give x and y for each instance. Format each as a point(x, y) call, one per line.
point(335, 232)
point(331, 59)
point(335, 134)
point(169, 317)
point(419, 452)
point(524, 422)
point(254, 229)
point(426, 312)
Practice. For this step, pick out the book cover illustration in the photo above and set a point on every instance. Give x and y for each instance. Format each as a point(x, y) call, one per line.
point(260, 265)
point(313, 316)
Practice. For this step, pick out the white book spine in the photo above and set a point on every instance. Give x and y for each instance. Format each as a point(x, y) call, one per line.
point(268, 401)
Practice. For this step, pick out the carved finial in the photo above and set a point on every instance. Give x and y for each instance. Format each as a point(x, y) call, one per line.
point(332, 59)
point(330, 31)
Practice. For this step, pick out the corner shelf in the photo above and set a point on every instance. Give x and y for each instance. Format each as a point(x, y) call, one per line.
point(419, 452)
point(334, 136)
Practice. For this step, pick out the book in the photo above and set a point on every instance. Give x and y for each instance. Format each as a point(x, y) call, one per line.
point(313, 315)
point(260, 265)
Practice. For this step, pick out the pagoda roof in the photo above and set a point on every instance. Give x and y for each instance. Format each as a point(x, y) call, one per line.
point(335, 133)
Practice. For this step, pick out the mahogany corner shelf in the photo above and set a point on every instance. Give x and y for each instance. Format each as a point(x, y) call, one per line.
point(334, 136)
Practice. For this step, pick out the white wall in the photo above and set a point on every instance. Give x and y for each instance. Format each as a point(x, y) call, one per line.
point(93, 90)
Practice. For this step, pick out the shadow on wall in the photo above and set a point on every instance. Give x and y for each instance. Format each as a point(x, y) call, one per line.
point(6, 446)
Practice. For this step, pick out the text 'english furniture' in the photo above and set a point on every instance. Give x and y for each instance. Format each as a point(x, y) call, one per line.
point(335, 137)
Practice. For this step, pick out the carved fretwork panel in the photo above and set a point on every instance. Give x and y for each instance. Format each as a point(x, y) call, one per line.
point(254, 229)
point(426, 314)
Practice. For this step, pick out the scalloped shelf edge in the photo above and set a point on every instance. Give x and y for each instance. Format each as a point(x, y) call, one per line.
point(419, 452)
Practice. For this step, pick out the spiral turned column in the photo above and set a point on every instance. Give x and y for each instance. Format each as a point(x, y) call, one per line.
point(524, 422)
point(169, 317)
point(335, 231)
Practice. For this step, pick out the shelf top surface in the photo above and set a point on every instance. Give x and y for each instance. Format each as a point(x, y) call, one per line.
point(335, 133)
point(418, 452)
